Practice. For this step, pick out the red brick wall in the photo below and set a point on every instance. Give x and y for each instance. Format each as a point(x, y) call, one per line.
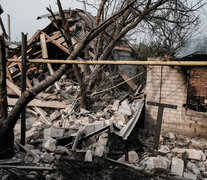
point(197, 92)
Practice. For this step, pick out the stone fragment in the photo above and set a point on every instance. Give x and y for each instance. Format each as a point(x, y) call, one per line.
point(192, 167)
point(190, 176)
point(133, 157)
point(89, 129)
point(161, 140)
point(164, 150)
point(102, 140)
point(121, 119)
point(171, 136)
point(49, 144)
point(33, 134)
point(125, 109)
point(53, 132)
point(121, 159)
point(195, 154)
point(98, 125)
point(47, 158)
point(178, 152)
point(61, 150)
point(99, 151)
point(153, 163)
point(193, 144)
point(55, 115)
point(177, 166)
point(88, 156)
point(115, 106)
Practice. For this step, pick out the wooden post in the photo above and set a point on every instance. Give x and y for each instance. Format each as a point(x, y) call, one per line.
point(3, 90)
point(23, 85)
point(161, 107)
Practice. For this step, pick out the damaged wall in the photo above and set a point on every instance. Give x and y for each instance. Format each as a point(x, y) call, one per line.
point(172, 89)
point(197, 90)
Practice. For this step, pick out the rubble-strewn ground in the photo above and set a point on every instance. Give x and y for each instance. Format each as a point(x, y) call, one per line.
point(107, 142)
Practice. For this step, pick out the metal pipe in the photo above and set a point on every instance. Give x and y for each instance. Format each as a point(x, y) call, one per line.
point(112, 62)
point(23, 85)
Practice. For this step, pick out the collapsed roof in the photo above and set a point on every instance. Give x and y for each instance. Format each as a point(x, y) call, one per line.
point(80, 23)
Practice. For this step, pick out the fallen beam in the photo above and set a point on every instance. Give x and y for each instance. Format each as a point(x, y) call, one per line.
point(112, 62)
point(36, 168)
point(39, 103)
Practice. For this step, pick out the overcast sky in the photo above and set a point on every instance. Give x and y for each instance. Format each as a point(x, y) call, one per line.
point(24, 13)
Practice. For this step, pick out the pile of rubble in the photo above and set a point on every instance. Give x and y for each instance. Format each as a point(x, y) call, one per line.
point(111, 132)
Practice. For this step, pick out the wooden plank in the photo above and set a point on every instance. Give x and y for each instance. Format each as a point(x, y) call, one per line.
point(12, 86)
point(39, 103)
point(36, 168)
point(57, 44)
point(60, 40)
point(55, 35)
point(130, 82)
point(43, 46)
point(33, 37)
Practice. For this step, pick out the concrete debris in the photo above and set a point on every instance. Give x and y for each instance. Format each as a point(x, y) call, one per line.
point(189, 176)
point(153, 163)
point(121, 120)
point(88, 156)
point(171, 136)
point(50, 144)
point(115, 106)
point(47, 157)
point(121, 159)
point(99, 151)
point(125, 108)
point(177, 166)
point(195, 154)
point(55, 115)
point(164, 150)
point(133, 157)
point(53, 132)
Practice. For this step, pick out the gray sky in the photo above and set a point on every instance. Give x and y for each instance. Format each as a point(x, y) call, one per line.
point(24, 13)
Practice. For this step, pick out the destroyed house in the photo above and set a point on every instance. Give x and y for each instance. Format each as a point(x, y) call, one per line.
point(185, 87)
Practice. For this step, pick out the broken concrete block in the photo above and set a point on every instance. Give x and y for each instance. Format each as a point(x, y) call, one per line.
point(161, 140)
point(32, 134)
point(98, 125)
point(195, 154)
point(99, 151)
point(178, 152)
point(171, 136)
point(133, 157)
point(47, 157)
point(121, 159)
point(49, 144)
point(196, 144)
point(61, 150)
point(102, 140)
point(125, 109)
point(53, 132)
point(164, 150)
point(115, 106)
point(153, 163)
point(189, 176)
point(122, 119)
point(192, 167)
point(55, 115)
point(88, 156)
point(177, 166)
point(89, 129)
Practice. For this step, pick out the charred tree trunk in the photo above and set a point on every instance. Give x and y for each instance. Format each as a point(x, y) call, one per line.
point(6, 135)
